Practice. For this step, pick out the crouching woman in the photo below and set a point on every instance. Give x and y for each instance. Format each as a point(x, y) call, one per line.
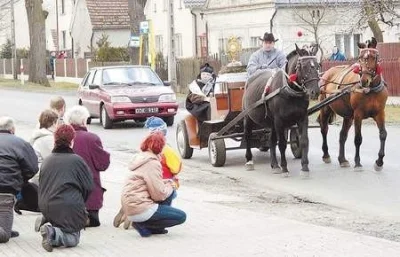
point(146, 197)
point(65, 183)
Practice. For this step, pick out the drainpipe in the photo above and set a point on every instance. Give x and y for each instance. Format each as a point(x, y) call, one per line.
point(195, 31)
point(271, 21)
point(91, 43)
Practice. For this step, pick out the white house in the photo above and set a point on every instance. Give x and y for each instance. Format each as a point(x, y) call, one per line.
point(156, 11)
point(250, 19)
point(93, 18)
point(22, 39)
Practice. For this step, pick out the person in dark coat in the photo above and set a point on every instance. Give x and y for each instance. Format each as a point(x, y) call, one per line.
point(65, 183)
point(89, 146)
point(197, 101)
point(18, 164)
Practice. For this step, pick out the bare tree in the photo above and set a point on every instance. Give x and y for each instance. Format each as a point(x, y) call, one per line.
point(37, 34)
point(136, 14)
point(377, 12)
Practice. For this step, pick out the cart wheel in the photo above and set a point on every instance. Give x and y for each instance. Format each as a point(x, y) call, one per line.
point(216, 151)
point(295, 142)
point(182, 140)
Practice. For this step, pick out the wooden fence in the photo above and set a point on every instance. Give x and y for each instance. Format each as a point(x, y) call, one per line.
point(390, 67)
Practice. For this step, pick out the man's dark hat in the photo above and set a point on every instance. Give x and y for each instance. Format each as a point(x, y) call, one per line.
point(207, 68)
point(268, 37)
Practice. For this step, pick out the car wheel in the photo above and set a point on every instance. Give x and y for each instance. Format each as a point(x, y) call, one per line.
point(169, 121)
point(105, 120)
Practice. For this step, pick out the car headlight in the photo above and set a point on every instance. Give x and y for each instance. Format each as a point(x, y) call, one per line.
point(120, 99)
point(167, 98)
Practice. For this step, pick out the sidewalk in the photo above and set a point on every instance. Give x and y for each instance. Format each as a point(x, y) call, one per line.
point(211, 229)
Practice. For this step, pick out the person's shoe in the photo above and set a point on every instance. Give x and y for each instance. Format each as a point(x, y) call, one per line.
point(119, 218)
point(47, 233)
point(39, 222)
point(143, 232)
point(17, 210)
point(159, 231)
point(3, 236)
point(14, 233)
point(127, 224)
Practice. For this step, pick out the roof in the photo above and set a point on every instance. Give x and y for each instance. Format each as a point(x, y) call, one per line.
point(109, 14)
point(290, 3)
point(194, 3)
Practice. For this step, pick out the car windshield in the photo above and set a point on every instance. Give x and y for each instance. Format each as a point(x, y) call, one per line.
point(130, 76)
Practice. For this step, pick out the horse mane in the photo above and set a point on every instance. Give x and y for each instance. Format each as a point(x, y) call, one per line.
point(291, 54)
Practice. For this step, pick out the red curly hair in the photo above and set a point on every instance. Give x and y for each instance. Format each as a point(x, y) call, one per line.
point(64, 136)
point(154, 142)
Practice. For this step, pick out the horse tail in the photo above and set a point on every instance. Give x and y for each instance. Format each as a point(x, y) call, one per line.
point(331, 116)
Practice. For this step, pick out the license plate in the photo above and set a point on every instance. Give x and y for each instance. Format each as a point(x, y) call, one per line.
point(147, 110)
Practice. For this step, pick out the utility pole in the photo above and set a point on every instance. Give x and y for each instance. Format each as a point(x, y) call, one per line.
point(58, 32)
point(171, 44)
point(13, 41)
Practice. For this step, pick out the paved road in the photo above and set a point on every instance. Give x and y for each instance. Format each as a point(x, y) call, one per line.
point(367, 192)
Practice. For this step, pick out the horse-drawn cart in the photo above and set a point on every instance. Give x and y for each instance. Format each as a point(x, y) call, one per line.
point(225, 123)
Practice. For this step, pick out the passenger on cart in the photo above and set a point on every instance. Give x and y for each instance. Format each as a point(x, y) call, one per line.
point(198, 99)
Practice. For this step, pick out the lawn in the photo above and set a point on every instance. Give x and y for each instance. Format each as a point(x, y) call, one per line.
point(54, 86)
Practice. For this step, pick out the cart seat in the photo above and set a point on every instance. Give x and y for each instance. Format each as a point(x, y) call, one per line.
point(228, 99)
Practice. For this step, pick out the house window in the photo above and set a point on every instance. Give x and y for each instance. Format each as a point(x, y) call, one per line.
point(64, 39)
point(159, 43)
point(62, 6)
point(222, 45)
point(166, 5)
point(316, 14)
point(255, 42)
point(155, 8)
point(178, 45)
point(347, 44)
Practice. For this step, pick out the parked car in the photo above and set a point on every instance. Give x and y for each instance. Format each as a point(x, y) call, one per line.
point(130, 92)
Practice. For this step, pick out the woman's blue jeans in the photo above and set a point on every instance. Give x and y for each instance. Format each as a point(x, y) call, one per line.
point(165, 216)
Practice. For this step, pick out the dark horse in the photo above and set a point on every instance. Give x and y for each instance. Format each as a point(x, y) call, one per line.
point(367, 99)
point(284, 110)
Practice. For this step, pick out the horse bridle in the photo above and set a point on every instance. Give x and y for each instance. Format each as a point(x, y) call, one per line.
point(304, 79)
point(363, 59)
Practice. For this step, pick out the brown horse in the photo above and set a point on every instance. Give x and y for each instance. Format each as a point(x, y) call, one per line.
point(367, 99)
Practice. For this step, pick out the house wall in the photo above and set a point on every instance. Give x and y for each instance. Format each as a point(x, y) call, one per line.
point(116, 37)
point(248, 25)
point(156, 11)
point(81, 29)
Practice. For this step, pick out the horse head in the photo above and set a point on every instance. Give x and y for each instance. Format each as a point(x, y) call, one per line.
point(368, 62)
point(303, 69)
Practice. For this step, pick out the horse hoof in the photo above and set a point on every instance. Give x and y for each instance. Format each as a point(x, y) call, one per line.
point(358, 168)
point(285, 174)
point(277, 170)
point(249, 165)
point(305, 168)
point(378, 168)
point(305, 174)
point(326, 159)
point(345, 164)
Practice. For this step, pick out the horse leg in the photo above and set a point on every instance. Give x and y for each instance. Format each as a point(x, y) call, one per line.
point(347, 122)
point(248, 128)
point(324, 115)
point(357, 140)
point(274, 161)
point(282, 143)
point(380, 122)
point(303, 130)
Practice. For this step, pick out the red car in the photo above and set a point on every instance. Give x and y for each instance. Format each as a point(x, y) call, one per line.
point(119, 93)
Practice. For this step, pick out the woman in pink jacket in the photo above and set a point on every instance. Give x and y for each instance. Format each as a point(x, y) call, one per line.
point(146, 197)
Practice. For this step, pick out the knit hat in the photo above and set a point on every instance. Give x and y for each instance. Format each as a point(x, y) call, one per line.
point(156, 124)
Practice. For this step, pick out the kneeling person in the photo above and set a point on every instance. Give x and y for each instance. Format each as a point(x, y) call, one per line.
point(65, 183)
